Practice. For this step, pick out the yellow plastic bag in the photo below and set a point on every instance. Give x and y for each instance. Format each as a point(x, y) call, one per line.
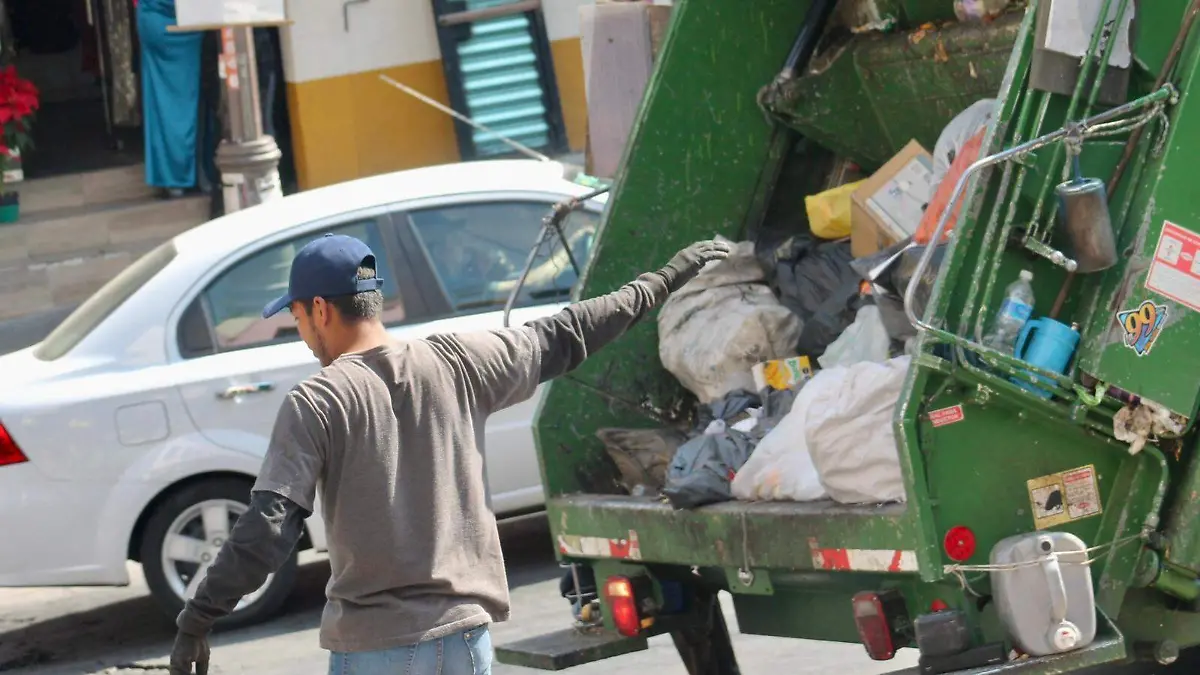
point(829, 211)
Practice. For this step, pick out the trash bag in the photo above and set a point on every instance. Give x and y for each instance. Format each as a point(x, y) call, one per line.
point(642, 455)
point(829, 211)
point(815, 281)
point(780, 469)
point(714, 329)
point(865, 340)
point(906, 266)
point(703, 467)
point(890, 272)
point(955, 135)
point(848, 428)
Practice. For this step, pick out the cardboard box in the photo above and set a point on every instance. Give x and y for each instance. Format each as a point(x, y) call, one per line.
point(888, 205)
point(620, 41)
point(782, 373)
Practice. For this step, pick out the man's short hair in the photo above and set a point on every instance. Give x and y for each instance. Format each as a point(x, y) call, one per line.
point(358, 306)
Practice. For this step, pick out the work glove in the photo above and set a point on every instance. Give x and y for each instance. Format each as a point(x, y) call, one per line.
point(190, 650)
point(687, 263)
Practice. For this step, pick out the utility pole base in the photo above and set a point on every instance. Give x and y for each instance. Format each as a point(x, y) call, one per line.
point(249, 172)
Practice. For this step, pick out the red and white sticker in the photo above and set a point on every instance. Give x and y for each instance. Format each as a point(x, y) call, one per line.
point(944, 416)
point(862, 559)
point(1175, 271)
point(600, 547)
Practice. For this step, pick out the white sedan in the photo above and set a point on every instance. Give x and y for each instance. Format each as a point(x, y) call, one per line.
point(135, 429)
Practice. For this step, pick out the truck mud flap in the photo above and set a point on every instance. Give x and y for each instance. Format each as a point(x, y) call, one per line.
point(1107, 648)
point(567, 648)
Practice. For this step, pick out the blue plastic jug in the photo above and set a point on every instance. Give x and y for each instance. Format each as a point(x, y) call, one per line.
point(1047, 344)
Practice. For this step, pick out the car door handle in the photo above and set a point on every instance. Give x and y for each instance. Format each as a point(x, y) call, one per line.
point(243, 389)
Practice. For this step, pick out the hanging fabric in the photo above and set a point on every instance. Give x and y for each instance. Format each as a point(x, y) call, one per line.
point(124, 101)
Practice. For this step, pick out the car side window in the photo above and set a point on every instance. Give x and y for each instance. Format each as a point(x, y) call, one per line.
point(478, 252)
point(230, 308)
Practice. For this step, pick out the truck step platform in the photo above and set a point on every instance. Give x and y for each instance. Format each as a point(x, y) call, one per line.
point(1107, 648)
point(567, 648)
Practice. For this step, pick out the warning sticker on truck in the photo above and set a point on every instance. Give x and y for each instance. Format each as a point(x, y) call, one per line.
point(1064, 497)
point(944, 416)
point(1175, 271)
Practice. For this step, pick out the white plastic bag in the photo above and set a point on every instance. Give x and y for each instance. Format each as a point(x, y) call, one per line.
point(865, 340)
point(712, 331)
point(956, 134)
point(780, 468)
point(848, 429)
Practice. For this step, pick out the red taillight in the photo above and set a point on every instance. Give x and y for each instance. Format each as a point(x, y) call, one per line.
point(9, 452)
point(622, 602)
point(873, 626)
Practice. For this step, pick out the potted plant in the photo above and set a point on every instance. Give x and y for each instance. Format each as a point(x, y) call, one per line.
point(18, 102)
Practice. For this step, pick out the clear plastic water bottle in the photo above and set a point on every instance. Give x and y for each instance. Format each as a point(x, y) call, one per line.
point(1012, 315)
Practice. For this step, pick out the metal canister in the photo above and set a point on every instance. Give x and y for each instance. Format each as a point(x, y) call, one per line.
point(1083, 205)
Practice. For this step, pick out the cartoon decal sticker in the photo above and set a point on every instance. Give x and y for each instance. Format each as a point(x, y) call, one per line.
point(1142, 326)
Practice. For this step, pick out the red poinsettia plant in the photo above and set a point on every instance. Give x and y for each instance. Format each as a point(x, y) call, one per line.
point(18, 102)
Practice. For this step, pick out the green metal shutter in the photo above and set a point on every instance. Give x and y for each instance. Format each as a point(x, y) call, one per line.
point(501, 82)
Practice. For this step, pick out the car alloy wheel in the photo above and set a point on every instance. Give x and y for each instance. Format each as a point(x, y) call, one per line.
point(192, 542)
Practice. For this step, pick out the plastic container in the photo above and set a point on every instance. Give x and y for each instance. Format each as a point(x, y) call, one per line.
point(1047, 344)
point(1013, 313)
point(1043, 592)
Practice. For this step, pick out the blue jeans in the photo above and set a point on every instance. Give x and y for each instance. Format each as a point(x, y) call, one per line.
point(465, 653)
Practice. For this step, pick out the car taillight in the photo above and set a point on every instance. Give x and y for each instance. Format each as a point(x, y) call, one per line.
point(877, 615)
point(623, 597)
point(9, 452)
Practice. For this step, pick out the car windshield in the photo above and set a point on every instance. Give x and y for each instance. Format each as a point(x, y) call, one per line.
point(104, 302)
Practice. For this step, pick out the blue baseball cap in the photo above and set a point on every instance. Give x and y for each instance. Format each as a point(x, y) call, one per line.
point(325, 268)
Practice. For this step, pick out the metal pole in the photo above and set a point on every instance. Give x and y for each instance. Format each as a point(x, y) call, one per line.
point(248, 159)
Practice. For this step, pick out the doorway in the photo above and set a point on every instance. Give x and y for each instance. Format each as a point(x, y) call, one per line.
point(89, 118)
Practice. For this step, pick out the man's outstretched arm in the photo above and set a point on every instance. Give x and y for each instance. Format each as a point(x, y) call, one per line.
point(579, 330)
point(503, 367)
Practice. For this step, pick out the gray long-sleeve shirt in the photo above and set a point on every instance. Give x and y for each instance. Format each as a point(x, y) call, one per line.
point(394, 436)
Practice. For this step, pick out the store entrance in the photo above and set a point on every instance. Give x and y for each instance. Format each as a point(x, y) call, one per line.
point(81, 55)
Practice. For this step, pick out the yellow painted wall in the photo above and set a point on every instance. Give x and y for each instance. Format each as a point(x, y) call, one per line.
point(572, 95)
point(356, 125)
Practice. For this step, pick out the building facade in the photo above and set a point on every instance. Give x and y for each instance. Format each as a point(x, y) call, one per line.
point(513, 65)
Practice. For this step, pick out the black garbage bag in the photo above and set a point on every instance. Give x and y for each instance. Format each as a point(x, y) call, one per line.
point(730, 409)
point(890, 271)
point(814, 279)
point(703, 468)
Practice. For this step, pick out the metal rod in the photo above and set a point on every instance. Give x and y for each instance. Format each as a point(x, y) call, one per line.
point(346, 12)
point(1009, 221)
point(1079, 128)
point(552, 222)
point(1109, 46)
point(528, 152)
point(473, 15)
point(1168, 66)
point(1000, 198)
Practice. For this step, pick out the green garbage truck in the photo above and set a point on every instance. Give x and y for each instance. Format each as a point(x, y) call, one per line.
point(1051, 513)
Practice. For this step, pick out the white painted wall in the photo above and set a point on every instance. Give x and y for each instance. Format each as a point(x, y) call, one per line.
point(382, 34)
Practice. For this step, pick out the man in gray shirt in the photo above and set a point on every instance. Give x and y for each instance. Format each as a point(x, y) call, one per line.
point(392, 433)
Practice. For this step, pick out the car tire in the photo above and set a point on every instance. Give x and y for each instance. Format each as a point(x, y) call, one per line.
point(174, 536)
